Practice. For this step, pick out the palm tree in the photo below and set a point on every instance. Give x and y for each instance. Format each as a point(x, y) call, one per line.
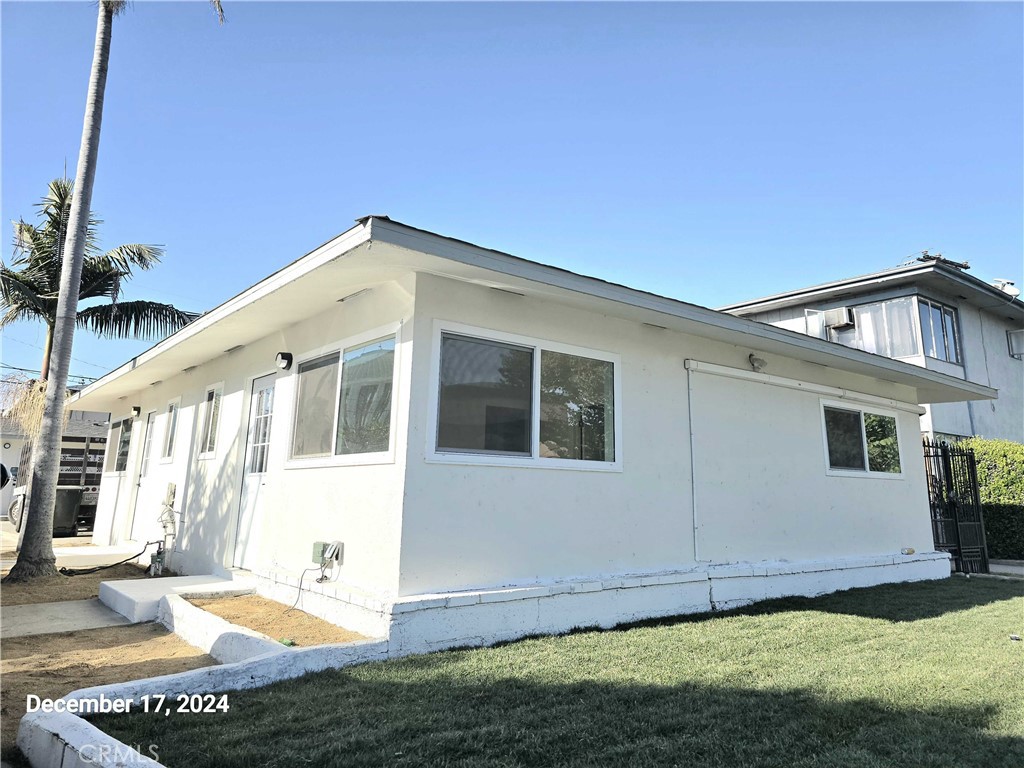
point(36, 557)
point(29, 286)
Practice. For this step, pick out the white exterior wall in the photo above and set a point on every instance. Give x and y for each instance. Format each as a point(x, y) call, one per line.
point(301, 503)
point(469, 526)
point(763, 491)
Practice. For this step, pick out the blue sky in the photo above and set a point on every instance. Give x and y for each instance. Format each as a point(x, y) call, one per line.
point(709, 152)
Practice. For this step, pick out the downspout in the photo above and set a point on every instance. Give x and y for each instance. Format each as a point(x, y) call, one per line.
point(693, 479)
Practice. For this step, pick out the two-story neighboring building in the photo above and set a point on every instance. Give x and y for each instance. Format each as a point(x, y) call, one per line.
point(930, 313)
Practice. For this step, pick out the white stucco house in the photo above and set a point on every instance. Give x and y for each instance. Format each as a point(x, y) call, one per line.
point(506, 448)
point(931, 313)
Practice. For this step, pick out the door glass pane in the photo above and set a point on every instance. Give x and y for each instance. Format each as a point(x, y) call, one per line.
point(577, 417)
point(364, 410)
point(115, 434)
point(485, 399)
point(314, 407)
point(883, 447)
point(845, 439)
point(122, 446)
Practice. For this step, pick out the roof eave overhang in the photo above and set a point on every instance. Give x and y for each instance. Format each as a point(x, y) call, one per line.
point(931, 386)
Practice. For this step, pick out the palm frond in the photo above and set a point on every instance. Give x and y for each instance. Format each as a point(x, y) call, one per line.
point(128, 319)
point(99, 282)
point(18, 292)
point(218, 9)
point(124, 257)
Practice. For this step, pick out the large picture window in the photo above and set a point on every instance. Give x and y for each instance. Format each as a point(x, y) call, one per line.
point(503, 398)
point(343, 402)
point(861, 441)
point(883, 328)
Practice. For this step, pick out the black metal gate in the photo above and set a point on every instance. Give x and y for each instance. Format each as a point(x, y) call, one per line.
point(957, 523)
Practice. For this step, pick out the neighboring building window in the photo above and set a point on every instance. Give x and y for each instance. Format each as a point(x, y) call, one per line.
point(120, 441)
point(343, 402)
point(883, 327)
point(861, 441)
point(1015, 339)
point(487, 401)
point(172, 429)
point(939, 332)
point(211, 418)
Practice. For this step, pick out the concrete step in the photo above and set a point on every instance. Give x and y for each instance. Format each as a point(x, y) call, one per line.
point(138, 599)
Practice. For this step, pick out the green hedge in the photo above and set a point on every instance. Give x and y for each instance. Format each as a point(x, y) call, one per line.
point(1004, 531)
point(1000, 470)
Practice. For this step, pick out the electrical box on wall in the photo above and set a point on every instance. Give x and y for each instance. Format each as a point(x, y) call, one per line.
point(326, 551)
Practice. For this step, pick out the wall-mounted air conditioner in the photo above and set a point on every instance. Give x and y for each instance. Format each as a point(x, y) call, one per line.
point(841, 317)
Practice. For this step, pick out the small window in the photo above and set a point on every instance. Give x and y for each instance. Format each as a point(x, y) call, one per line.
point(861, 441)
point(485, 399)
point(211, 418)
point(939, 331)
point(172, 429)
point(1015, 340)
point(343, 402)
point(120, 441)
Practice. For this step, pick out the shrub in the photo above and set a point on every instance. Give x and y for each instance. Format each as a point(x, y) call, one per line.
point(1004, 531)
point(1000, 470)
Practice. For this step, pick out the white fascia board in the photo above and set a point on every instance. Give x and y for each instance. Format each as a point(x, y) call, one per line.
point(746, 332)
point(316, 258)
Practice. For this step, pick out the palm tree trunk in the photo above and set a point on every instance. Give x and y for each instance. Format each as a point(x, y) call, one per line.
point(36, 557)
point(44, 370)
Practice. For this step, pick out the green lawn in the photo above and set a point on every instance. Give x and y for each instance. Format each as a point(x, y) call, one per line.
point(900, 675)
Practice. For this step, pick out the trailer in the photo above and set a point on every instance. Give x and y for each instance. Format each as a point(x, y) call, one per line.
point(78, 485)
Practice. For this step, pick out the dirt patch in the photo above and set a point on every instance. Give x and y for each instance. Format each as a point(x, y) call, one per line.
point(276, 620)
point(54, 589)
point(51, 666)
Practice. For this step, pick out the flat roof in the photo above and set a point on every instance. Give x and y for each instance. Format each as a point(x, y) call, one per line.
point(928, 275)
point(378, 249)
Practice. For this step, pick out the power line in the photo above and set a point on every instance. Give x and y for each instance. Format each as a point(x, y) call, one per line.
point(35, 371)
point(36, 346)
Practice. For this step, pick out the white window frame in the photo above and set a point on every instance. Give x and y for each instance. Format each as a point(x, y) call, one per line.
point(841, 405)
point(339, 347)
point(218, 390)
point(534, 460)
point(165, 457)
point(1015, 333)
point(957, 330)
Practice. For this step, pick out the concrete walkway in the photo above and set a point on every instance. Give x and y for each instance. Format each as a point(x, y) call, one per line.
point(1006, 567)
point(68, 616)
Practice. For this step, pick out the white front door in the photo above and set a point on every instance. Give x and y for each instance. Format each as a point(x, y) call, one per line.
point(148, 498)
point(257, 446)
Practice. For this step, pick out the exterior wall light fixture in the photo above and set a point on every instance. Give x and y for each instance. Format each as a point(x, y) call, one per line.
point(284, 360)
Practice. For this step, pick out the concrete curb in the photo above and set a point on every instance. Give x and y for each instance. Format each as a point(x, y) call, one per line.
point(226, 642)
point(66, 740)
